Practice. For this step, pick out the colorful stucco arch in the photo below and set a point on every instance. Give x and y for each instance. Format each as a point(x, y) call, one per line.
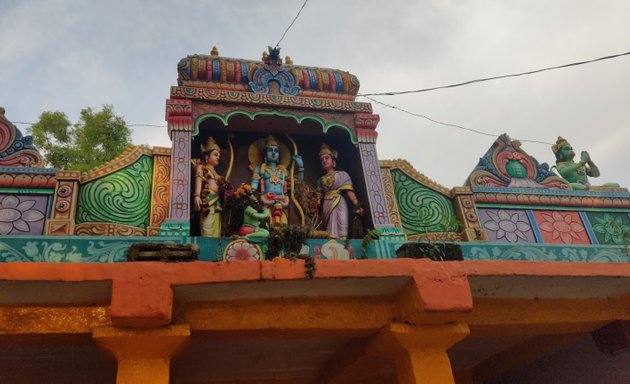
point(325, 125)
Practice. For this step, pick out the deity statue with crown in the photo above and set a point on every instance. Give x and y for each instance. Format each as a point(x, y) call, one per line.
point(576, 173)
point(334, 187)
point(271, 177)
point(206, 192)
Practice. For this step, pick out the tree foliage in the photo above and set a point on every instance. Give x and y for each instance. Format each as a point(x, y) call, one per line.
point(98, 137)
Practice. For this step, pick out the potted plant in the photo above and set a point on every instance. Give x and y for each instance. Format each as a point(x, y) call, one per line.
point(437, 246)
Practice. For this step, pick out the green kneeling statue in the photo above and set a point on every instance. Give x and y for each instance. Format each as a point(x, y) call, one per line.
point(252, 218)
point(576, 173)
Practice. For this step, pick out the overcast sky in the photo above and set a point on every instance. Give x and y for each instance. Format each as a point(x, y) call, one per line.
point(69, 54)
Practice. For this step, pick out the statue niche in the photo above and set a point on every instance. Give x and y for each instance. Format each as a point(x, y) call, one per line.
point(269, 168)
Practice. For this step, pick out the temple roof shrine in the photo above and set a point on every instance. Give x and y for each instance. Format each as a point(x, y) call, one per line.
point(270, 244)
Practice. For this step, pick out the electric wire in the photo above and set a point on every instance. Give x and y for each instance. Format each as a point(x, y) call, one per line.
point(448, 124)
point(394, 93)
point(367, 95)
point(146, 125)
point(290, 25)
point(129, 125)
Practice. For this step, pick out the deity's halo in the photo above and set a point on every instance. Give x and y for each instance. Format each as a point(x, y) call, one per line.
point(256, 153)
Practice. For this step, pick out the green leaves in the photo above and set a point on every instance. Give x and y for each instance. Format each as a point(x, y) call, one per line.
point(98, 137)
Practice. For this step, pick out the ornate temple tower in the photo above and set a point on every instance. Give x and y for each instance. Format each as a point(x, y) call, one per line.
point(239, 101)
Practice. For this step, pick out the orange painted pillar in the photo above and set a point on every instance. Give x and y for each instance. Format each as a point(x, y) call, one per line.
point(420, 352)
point(143, 355)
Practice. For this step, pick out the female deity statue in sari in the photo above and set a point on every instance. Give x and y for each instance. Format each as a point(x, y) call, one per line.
point(271, 178)
point(334, 187)
point(206, 193)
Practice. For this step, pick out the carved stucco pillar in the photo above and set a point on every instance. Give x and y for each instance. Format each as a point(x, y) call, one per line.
point(365, 125)
point(180, 125)
point(160, 202)
point(64, 204)
point(467, 215)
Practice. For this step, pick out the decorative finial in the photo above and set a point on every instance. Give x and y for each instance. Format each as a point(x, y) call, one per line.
point(274, 54)
point(214, 52)
point(272, 60)
point(288, 61)
point(265, 55)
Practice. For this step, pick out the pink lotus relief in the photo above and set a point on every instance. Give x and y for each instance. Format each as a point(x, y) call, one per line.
point(18, 215)
point(242, 250)
point(561, 226)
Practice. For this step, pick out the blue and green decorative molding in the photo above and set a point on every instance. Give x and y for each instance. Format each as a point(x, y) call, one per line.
point(89, 249)
point(544, 252)
point(113, 249)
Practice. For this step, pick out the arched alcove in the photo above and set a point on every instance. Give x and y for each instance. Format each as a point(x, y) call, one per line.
point(236, 130)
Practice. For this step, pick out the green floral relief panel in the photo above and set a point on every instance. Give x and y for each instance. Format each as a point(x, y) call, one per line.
point(113, 249)
point(545, 252)
point(123, 197)
point(610, 227)
point(422, 209)
point(83, 249)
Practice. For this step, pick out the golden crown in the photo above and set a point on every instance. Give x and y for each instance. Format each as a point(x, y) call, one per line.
point(271, 141)
point(210, 146)
point(325, 149)
point(561, 142)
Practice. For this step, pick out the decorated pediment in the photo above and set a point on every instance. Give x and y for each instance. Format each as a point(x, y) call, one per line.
point(271, 75)
point(506, 164)
point(17, 150)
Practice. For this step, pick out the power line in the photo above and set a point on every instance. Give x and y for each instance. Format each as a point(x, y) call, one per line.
point(495, 77)
point(448, 124)
point(146, 125)
point(290, 25)
point(129, 125)
point(374, 101)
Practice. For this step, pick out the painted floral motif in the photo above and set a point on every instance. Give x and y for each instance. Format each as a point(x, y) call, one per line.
point(538, 252)
point(507, 226)
point(564, 226)
point(30, 248)
point(17, 215)
point(240, 250)
point(332, 250)
point(612, 228)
